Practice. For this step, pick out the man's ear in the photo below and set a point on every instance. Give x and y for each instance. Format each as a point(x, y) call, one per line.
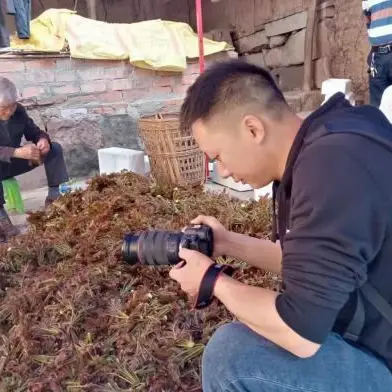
point(255, 128)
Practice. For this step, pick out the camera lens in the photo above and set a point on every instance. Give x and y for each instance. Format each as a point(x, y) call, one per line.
point(130, 249)
point(152, 248)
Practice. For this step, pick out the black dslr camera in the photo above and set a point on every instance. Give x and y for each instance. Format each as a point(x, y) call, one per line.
point(156, 248)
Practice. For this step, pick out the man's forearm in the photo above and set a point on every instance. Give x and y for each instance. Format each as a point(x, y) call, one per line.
point(256, 308)
point(263, 254)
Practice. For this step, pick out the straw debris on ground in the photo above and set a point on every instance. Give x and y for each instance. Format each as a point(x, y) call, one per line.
point(75, 317)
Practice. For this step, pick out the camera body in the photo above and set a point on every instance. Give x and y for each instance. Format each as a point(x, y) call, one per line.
point(155, 248)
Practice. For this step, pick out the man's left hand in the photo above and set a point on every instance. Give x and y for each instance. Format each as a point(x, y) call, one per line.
point(190, 275)
point(43, 146)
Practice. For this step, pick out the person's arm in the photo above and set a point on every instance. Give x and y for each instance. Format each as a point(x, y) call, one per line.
point(255, 307)
point(263, 254)
point(260, 253)
point(336, 231)
point(6, 153)
point(32, 132)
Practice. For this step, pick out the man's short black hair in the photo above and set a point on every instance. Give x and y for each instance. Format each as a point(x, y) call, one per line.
point(230, 84)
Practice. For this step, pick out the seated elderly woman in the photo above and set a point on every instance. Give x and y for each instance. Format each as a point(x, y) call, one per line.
point(16, 159)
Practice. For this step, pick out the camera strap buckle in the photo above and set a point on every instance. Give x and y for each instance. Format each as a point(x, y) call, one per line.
point(206, 290)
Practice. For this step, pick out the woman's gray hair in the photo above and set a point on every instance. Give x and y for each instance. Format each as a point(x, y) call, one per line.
point(8, 93)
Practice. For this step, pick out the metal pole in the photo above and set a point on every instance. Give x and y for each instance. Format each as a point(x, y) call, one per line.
point(199, 22)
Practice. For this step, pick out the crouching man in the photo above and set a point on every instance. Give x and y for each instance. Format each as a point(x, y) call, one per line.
point(15, 160)
point(329, 329)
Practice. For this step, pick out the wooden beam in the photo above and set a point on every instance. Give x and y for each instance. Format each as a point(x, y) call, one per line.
point(92, 9)
point(309, 35)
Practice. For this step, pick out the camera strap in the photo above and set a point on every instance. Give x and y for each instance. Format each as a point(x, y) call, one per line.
point(206, 290)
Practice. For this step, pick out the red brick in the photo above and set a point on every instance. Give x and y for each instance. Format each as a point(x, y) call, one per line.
point(120, 84)
point(102, 110)
point(67, 63)
point(143, 78)
point(110, 96)
point(46, 101)
point(39, 76)
point(40, 63)
point(82, 99)
point(16, 77)
point(192, 68)
point(12, 65)
point(175, 102)
point(120, 107)
point(65, 76)
point(66, 89)
point(94, 87)
point(161, 90)
point(134, 94)
point(165, 80)
point(93, 73)
point(188, 79)
point(181, 89)
point(32, 92)
point(120, 71)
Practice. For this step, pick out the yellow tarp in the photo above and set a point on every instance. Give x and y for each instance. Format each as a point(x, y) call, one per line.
point(153, 44)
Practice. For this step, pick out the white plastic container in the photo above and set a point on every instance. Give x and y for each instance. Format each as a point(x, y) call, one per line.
point(116, 159)
point(332, 86)
point(262, 192)
point(228, 182)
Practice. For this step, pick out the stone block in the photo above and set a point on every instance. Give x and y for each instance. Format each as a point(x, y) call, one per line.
point(256, 59)
point(286, 25)
point(120, 131)
point(278, 40)
point(326, 4)
point(289, 78)
point(328, 12)
point(80, 138)
point(253, 43)
point(219, 35)
point(293, 53)
point(292, 77)
point(324, 39)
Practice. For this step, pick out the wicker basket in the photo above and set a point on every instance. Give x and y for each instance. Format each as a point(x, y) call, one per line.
point(175, 158)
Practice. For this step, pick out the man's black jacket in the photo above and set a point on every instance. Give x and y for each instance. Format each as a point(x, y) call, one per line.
point(335, 223)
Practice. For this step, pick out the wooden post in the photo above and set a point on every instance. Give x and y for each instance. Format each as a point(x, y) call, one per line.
point(199, 22)
point(309, 35)
point(92, 9)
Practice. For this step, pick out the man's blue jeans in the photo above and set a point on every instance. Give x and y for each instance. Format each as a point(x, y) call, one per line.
point(237, 359)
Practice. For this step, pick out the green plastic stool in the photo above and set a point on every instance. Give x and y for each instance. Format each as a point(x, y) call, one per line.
point(12, 196)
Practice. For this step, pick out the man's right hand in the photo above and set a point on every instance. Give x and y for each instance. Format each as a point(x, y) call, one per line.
point(30, 151)
point(220, 233)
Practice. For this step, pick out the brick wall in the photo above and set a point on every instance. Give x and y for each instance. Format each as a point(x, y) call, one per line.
point(86, 105)
point(108, 86)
